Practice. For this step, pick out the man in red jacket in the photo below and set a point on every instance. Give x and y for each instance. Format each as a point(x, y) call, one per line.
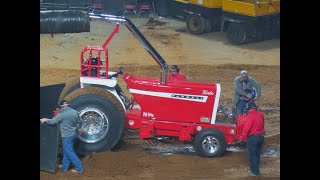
point(253, 133)
point(175, 74)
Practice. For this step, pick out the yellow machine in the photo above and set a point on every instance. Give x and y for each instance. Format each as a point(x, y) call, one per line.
point(255, 19)
point(252, 8)
point(204, 3)
point(241, 19)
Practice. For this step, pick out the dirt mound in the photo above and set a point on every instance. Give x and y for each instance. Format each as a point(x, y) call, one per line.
point(152, 23)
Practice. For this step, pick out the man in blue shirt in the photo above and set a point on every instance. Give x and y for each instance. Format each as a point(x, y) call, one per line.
point(241, 83)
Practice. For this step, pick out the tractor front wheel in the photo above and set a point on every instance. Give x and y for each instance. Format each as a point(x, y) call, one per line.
point(210, 142)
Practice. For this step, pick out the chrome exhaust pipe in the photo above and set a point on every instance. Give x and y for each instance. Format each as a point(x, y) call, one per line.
point(145, 43)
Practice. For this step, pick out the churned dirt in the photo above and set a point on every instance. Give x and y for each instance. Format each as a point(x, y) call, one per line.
point(205, 58)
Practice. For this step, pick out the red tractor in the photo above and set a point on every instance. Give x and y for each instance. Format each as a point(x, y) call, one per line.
point(158, 108)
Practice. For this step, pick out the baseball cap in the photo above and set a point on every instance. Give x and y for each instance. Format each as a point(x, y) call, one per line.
point(251, 91)
point(243, 72)
point(63, 102)
point(175, 67)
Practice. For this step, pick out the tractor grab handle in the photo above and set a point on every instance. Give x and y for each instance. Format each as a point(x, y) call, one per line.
point(145, 43)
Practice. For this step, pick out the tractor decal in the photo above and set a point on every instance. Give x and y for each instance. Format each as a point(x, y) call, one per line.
point(206, 92)
point(186, 97)
point(204, 119)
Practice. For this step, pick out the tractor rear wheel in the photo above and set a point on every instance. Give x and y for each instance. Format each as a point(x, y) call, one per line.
point(70, 86)
point(102, 119)
point(195, 24)
point(237, 33)
point(210, 142)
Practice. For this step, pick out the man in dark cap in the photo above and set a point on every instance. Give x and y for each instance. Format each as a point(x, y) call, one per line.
point(69, 120)
point(175, 74)
point(253, 133)
point(241, 83)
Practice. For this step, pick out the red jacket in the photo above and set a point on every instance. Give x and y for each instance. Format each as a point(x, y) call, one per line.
point(178, 77)
point(253, 125)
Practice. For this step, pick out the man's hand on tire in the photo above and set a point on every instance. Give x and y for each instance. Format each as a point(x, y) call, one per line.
point(79, 131)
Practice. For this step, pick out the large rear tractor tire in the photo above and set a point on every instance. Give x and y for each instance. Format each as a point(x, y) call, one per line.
point(210, 142)
point(196, 24)
point(69, 87)
point(237, 33)
point(102, 119)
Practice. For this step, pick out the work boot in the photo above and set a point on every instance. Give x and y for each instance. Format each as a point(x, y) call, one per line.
point(251, 174)
point(76, 171)
point(60, 167)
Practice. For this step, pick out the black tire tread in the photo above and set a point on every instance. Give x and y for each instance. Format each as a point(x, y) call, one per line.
point(70, 84)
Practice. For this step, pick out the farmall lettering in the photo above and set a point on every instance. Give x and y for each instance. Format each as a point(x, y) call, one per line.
point(186, 97)
point(206, 92)
point(147, 114)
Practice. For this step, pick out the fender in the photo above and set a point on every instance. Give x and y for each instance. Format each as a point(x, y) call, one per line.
point(108, 84)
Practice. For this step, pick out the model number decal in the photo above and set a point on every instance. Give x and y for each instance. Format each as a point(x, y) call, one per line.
point(147, 114)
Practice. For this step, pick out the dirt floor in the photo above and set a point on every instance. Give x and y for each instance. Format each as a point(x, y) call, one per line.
point(205, 58)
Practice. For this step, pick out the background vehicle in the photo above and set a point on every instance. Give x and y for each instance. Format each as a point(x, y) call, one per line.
point(240, 19)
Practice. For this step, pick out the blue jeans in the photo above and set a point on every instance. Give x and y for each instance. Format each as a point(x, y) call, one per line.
point(240, 106)
point(254, 145)
point(69, 154)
